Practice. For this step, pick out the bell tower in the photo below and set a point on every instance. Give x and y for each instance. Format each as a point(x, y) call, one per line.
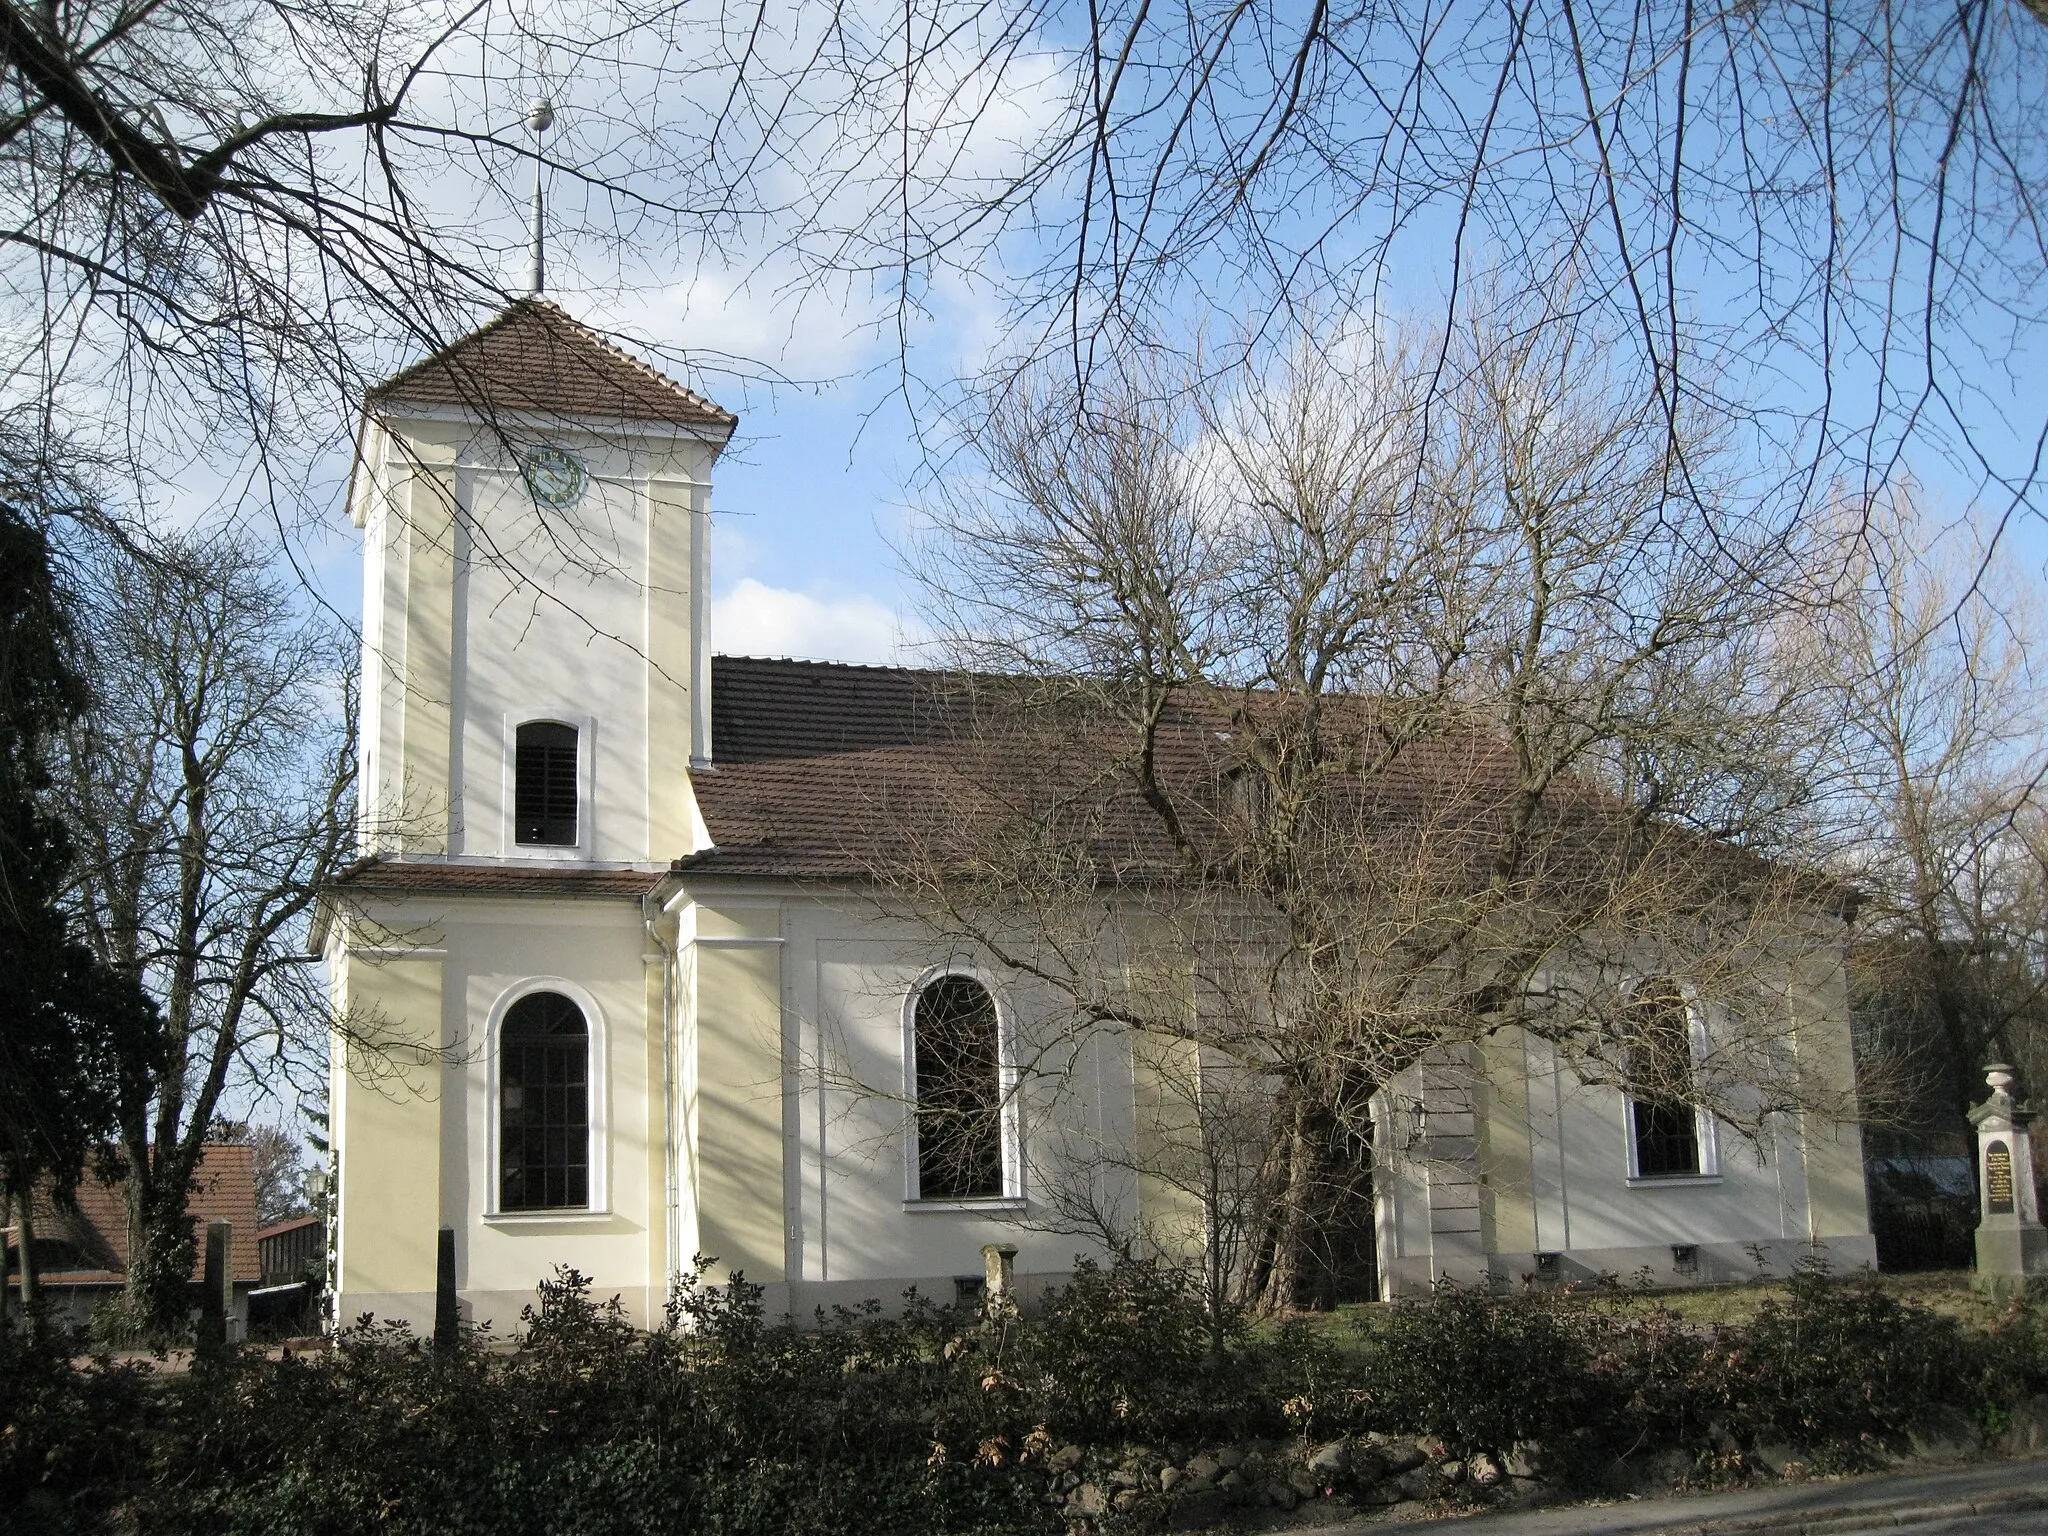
point(536, 665)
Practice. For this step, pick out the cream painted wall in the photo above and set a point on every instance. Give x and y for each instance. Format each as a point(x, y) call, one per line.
point(853, 1233)
point(789, 1081)
point(735, 1167)
point(385, 1111)
point(1838, 1201)
point(414, 1162)
point(789, 1034)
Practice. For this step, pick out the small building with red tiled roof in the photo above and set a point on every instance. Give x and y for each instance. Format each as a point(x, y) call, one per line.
point(82, 1247)
point(623, 986)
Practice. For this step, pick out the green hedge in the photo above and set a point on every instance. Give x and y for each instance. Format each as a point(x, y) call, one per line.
point(928, 1420)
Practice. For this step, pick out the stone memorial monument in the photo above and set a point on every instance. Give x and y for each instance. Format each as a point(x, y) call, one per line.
point(2012, 1245)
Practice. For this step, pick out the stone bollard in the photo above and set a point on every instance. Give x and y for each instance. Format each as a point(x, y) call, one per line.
point(2012, 1245)
point(998, 1280)
point(447, 1318)
point(214, 1292)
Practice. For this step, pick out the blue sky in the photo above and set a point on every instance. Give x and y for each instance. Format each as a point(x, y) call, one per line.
point(807, 505)
point(812, 493)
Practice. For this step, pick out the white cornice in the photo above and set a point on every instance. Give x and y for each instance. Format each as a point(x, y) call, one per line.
point(605, 428)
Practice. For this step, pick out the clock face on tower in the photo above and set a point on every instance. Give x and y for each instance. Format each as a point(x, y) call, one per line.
point(555, 476)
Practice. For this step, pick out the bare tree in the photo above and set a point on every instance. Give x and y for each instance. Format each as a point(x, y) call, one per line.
point(1939, 812)
point(280, 1166)
point(211, 789)
point(1827, 215)
point(1329, 745)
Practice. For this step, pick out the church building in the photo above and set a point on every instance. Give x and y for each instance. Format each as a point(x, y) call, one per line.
point(611, 991)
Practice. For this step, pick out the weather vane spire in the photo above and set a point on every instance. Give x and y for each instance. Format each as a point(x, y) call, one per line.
point(540, 116)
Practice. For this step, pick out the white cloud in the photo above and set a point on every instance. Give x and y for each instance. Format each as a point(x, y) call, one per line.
point(806, 330)
point(755, 619)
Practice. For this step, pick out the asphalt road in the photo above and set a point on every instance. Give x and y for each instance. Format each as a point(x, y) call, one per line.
point(1886, 1502)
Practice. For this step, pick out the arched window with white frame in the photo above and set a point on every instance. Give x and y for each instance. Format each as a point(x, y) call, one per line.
point(957, 1081)
point(544, 1118)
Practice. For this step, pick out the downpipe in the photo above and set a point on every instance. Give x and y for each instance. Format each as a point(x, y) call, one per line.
point(671, 1173)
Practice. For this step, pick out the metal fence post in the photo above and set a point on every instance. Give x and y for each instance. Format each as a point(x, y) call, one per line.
point(213, 1291)
point(447, 1320)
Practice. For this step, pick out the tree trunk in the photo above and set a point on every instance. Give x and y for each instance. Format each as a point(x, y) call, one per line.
point(134, 1192)
point(160, 1270)
point(1293, 1215)
point(1215, 1265)
point(6, 1220)
point(31, 1279)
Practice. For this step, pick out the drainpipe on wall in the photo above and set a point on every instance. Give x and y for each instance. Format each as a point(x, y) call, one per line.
point(650, 912)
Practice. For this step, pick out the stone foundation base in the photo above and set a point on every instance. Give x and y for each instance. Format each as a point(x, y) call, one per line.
point(2008, 1257)
point(1712, 1264)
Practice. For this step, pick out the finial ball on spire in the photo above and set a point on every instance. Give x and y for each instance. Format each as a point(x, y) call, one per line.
point(540, 114)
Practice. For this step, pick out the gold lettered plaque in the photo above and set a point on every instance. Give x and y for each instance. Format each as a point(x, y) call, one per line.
point(1998, 1179)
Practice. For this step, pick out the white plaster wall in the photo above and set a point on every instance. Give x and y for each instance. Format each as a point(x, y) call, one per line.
point(1588, 1211)
point(550, 624)
point(384, 590)
point(1400, 1189)
point(847, 976)
point(551, 618)
point(1585, 1150)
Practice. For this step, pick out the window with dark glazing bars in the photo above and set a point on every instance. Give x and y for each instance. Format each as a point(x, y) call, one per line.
point(959, 1092)
point(544, 784)
point(544, 1106)
point(1662, 1117)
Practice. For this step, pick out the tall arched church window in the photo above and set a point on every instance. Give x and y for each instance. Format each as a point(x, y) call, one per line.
point(544, 1106)
point(958, 1047)
point(1664, 1120)
point(544, 784)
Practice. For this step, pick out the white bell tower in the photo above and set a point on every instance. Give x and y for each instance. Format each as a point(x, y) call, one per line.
point(536, 663)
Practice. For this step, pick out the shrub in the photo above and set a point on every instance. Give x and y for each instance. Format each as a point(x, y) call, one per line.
point(1656, 1378)
point(1128, 1353)
point(1844, 1366)
point(70, 1435)
point(930, 1420)
point(1481, 1371)
point(591, 1426)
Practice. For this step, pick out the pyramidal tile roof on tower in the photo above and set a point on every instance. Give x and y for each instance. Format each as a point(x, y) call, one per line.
point(535, 357)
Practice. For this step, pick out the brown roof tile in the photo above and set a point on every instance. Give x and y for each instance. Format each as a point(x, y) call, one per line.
point(98, 1228)
point(829, 772)
point(818, 767)
point(534, 357)
point(763, 710)
point(380, 876)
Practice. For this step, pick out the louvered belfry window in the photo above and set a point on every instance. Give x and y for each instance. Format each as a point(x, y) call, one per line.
point(544, 1106)
point(959, 1092)
point(544, 790)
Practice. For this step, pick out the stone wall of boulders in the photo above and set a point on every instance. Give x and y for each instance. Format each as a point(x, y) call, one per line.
point(1261, 1482)
point(1180, 1489)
